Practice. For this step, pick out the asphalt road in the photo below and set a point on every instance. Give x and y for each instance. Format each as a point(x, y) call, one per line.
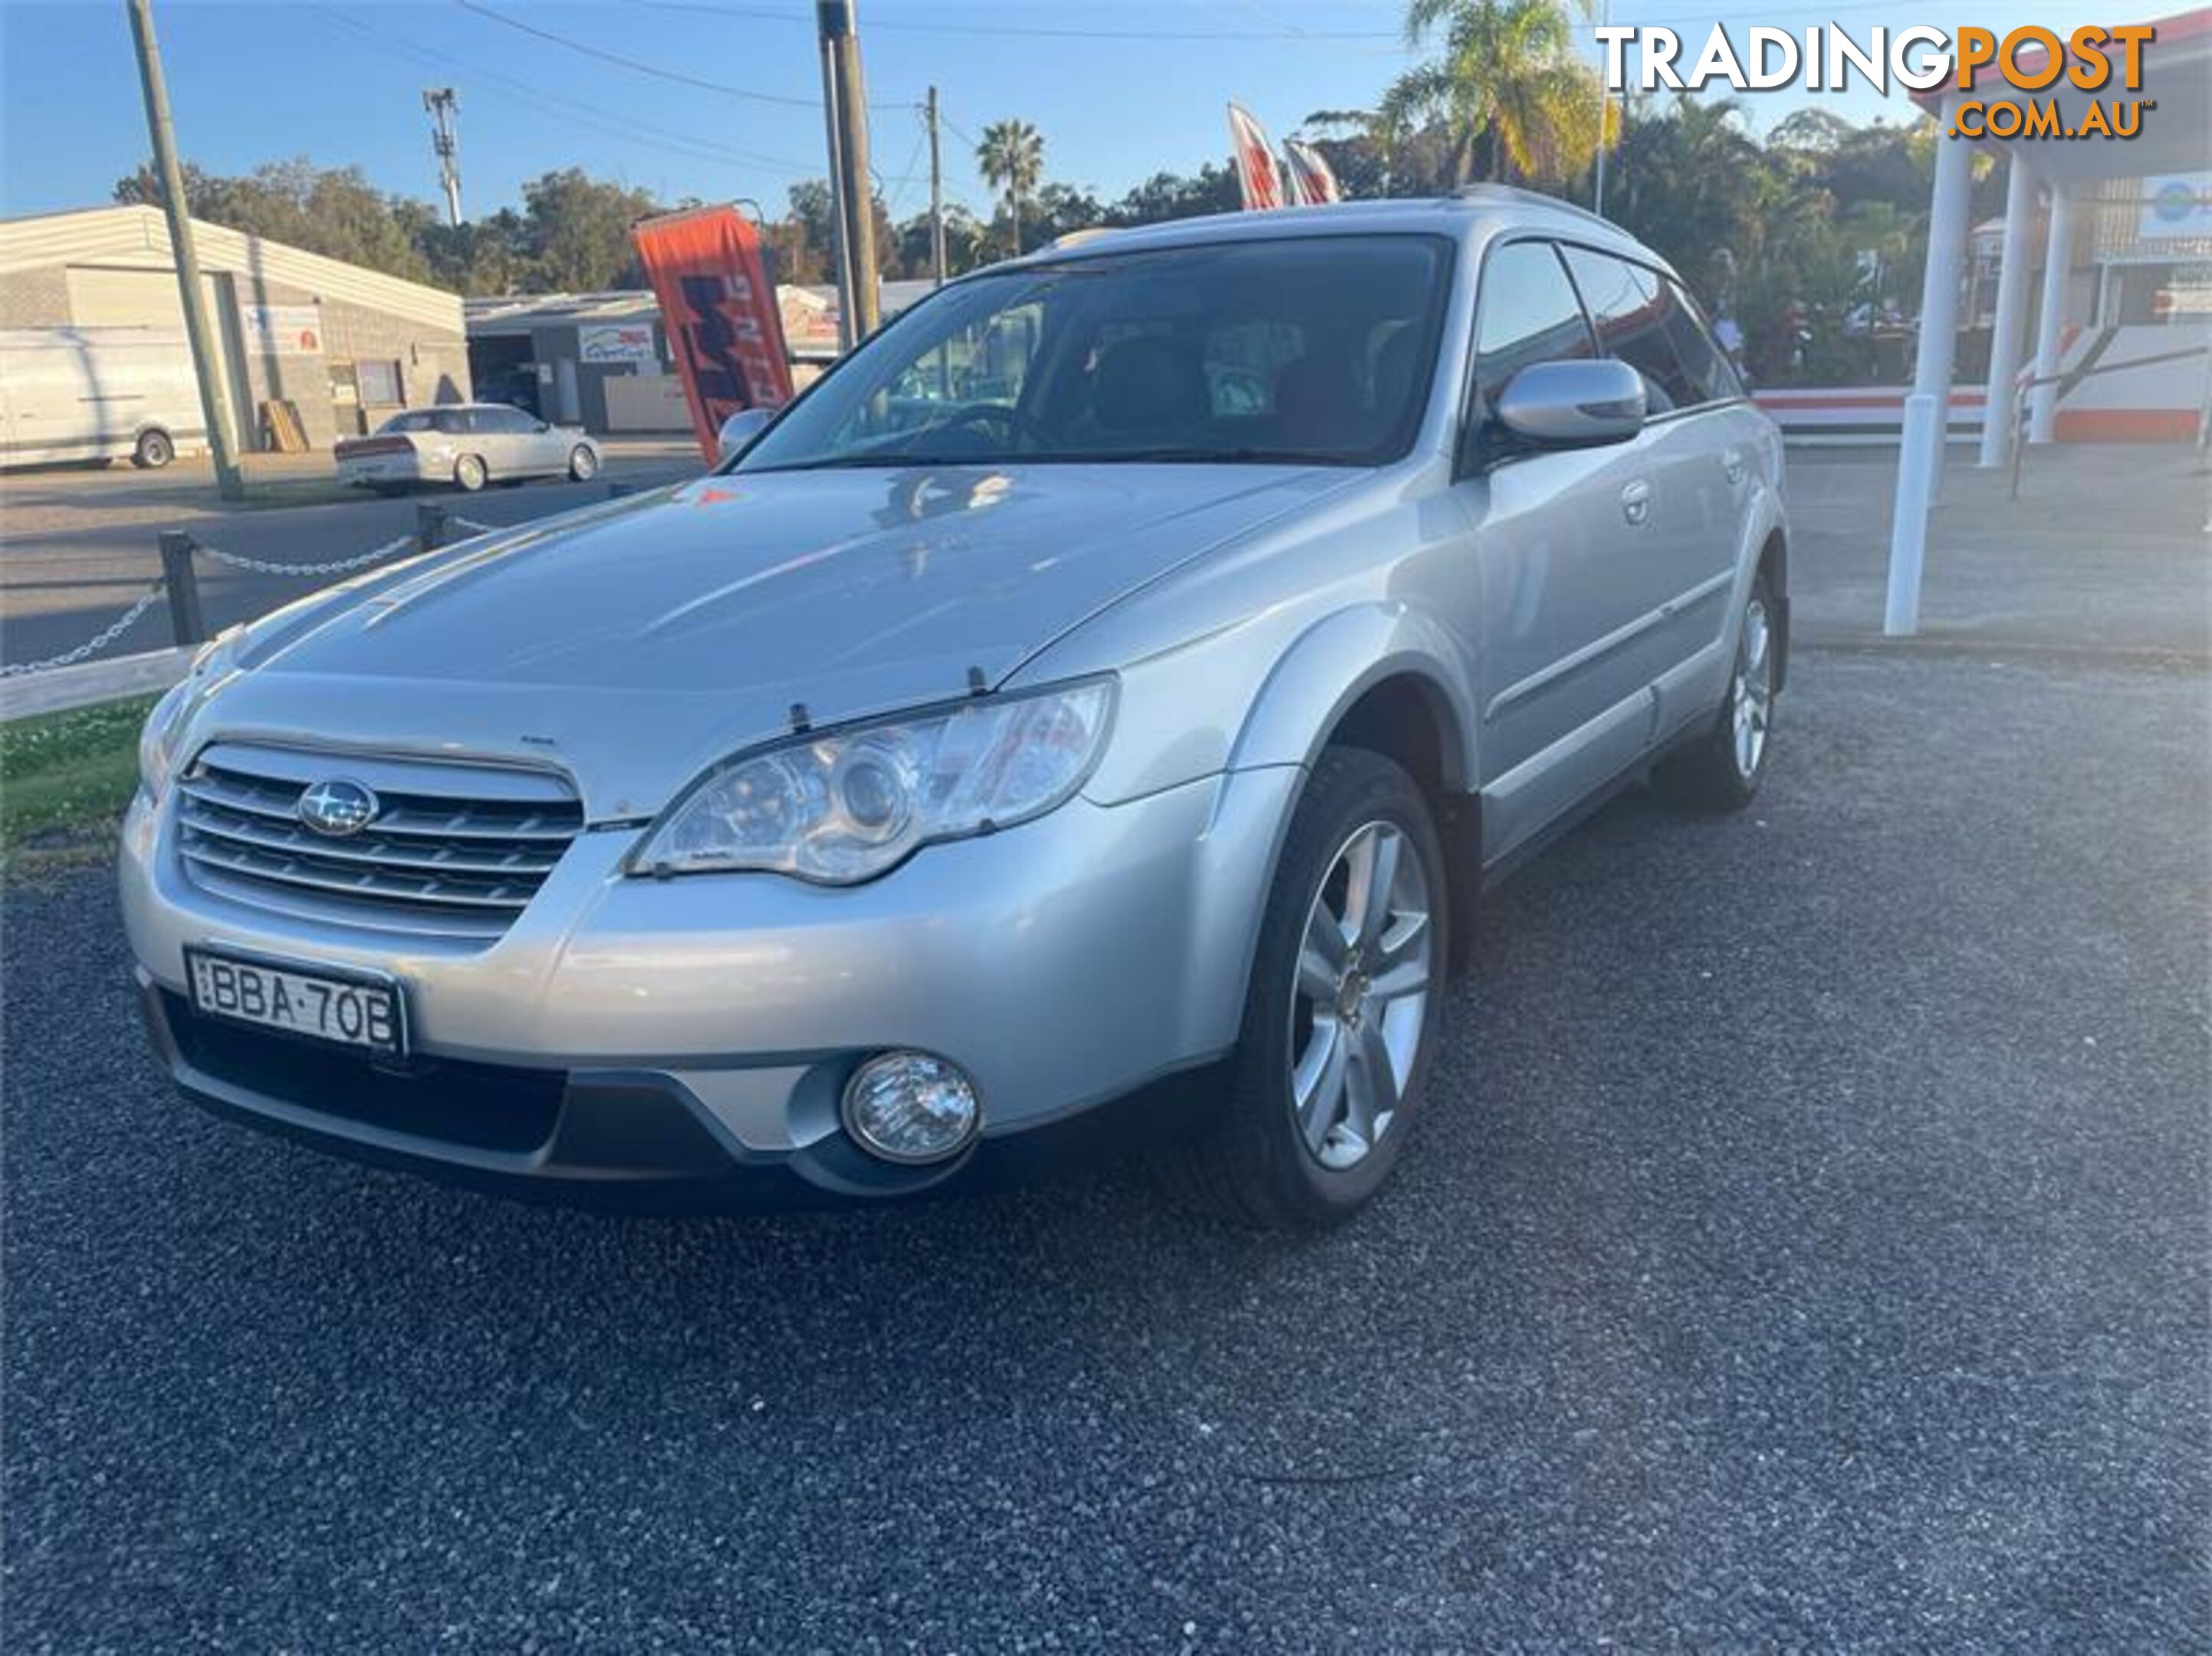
point(80, 546)
point(2045, 574)
point(1806, 1247)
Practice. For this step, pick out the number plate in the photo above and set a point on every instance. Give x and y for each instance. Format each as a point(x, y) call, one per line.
point(362, 1012)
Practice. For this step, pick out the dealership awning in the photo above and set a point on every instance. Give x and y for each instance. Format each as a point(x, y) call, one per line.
point(2175, 136)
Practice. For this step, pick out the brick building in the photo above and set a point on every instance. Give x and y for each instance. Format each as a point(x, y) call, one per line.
point(344, 345)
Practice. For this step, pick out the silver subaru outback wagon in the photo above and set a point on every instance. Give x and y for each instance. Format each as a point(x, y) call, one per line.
point(1095, 705)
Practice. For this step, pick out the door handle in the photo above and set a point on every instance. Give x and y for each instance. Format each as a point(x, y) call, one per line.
point(1636, 503)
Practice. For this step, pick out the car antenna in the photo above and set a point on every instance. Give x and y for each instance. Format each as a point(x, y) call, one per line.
point(977, 684)
point(801, 722)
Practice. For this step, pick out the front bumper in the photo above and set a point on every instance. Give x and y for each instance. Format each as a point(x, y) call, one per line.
point(631, 1141)
point(686, 1040)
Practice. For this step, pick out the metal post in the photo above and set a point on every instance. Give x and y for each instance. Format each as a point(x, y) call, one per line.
point(936, 197)
point(2058, 258)
point(1908, 530)
point(848, 115)
point(1998, 429)
point(187, 621)
point(429, 526)
point(207, 364)
point(1604, 109)
point(1939, 288)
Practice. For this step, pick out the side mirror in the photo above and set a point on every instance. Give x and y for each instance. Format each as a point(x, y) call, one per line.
point(544, 425)
point(738, 433)
point(1573, 404)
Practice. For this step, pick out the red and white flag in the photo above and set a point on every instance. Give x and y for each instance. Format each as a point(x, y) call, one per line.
point(1313, 181)
point(1261, 185)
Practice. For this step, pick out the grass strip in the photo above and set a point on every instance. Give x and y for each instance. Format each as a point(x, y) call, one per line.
point(65, 777)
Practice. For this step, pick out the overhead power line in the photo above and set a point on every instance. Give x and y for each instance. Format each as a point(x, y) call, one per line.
point(596, 116)
point(905, 178)
point(876, 23)
point(634, 65)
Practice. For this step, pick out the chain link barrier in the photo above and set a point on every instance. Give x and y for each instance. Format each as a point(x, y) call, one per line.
point(153, 595)
point(92, 645)
point(335, 567)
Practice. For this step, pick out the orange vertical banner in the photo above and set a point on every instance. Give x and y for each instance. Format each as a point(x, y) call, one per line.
point(719, 310)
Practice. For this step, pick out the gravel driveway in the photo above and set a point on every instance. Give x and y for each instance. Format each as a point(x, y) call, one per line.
point(1806, 1246)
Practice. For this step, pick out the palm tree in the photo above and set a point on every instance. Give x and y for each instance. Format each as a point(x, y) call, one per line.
point(1011, 158)
point(1515, 99)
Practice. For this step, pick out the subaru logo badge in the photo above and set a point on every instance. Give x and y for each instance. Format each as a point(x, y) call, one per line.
point(337, 808)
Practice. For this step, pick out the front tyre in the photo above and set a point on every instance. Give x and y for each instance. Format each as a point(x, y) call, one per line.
point(153, 451)
point(583, 464)
point(1341, 1018)
point(1722, 769)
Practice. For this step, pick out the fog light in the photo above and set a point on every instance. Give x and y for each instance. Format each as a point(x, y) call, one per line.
point(910, 1106)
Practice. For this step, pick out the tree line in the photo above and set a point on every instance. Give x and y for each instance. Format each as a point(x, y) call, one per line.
point(1811, 240)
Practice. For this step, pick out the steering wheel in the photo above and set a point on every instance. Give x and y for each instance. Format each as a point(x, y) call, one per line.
point(1017, 424)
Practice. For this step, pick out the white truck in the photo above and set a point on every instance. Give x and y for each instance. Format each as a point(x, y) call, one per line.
point(97, 394)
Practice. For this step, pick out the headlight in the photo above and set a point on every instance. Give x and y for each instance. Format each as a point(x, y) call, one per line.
point(156, 741)
point(165, 726)
point(847, 805)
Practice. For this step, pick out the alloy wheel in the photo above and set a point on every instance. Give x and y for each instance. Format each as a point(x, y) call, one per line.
point(1751, 696)
point(1361, 995)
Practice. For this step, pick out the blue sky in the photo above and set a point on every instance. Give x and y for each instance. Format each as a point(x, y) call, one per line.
point(1119, 90)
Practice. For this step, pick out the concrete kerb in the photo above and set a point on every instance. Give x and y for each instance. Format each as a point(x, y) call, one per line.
point(88, 683)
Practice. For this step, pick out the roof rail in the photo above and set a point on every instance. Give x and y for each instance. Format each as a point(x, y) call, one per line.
point(1507, 195)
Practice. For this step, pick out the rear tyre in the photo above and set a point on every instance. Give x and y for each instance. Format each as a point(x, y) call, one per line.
point(1340, 1016)
point(1722, 770)
point(153, 451)
point(583, 464)
point(468, 473)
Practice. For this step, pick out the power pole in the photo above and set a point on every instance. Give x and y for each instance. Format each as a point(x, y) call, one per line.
point(840, 272)
point(851, 197)
point(207, 365)
point(936, 197)
point(442, 102)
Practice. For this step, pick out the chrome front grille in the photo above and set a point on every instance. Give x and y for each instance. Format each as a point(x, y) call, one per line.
point(454, 851)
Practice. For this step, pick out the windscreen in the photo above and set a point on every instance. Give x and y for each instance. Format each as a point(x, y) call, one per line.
point(1315, 351)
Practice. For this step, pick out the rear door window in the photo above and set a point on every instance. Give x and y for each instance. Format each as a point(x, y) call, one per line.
point(1711, 376)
